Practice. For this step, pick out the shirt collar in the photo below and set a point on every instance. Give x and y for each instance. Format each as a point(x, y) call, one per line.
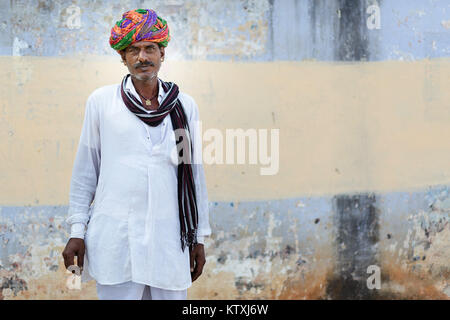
point(130, 85)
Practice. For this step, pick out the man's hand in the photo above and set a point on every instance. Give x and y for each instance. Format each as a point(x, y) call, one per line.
point(197, 255)
point(75, 247)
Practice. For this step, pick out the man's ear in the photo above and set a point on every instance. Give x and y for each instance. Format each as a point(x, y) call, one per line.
point(163, 52)
point(122, 54)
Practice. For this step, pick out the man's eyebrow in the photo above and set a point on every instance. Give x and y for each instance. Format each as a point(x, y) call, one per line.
point(150, 45)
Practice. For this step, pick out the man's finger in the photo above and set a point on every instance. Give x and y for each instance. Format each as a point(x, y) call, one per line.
point(199, 263)
point(192, 258)
point(68, 260)
point(197, 272)
point(80, 259)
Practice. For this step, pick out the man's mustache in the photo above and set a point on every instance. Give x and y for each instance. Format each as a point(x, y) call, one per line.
point(143, 64)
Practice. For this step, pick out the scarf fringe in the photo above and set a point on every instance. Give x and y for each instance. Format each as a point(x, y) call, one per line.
point(189, 239)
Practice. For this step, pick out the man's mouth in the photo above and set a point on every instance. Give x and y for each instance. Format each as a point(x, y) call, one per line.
point(145, 66)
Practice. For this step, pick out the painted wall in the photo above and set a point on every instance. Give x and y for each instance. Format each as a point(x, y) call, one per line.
point(358, 91)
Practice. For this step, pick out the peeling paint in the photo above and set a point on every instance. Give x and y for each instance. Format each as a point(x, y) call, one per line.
point(253, 30)
point(445, 24)
point(256, 258)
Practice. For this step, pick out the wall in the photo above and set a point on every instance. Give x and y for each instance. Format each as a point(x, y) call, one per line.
point(358, 90)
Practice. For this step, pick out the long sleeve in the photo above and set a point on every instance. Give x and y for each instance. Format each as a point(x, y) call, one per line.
point(204, 228)
point(85, 171)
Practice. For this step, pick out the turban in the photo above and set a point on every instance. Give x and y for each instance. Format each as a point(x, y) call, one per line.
point(139, 25)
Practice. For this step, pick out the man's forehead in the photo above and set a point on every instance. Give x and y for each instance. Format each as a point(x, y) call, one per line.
point(141, 44)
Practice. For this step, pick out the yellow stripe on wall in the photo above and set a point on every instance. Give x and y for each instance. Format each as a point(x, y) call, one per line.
point(344, 127)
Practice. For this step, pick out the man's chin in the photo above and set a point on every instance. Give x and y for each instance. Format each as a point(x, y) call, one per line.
point(144, 76)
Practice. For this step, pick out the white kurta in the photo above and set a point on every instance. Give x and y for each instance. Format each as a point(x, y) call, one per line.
point(133, 226)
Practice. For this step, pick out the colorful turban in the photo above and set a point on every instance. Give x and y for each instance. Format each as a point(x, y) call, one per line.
point(139, 25)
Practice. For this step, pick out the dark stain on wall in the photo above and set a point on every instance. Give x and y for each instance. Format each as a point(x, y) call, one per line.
point(313, 11)
point(357, 236)
point(271, 43)
point(14, 283)
point(46, 6)
point(352, 37)
point(243, 285)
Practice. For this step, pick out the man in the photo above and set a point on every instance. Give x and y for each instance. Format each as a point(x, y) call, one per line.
point(140, 156)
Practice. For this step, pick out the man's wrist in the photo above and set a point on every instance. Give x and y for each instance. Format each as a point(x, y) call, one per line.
point(77, 230)
point(201, 240)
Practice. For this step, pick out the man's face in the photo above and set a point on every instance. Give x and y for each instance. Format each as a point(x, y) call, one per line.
point(143, 59)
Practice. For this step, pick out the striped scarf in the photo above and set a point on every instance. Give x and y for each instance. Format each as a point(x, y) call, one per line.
point(186, 188)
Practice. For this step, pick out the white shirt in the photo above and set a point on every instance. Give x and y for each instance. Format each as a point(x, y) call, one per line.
point(133, 226)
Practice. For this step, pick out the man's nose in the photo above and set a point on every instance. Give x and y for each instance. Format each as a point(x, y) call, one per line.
point(142, 57)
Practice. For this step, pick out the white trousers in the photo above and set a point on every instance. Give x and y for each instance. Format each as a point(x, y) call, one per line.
point(137, 291)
